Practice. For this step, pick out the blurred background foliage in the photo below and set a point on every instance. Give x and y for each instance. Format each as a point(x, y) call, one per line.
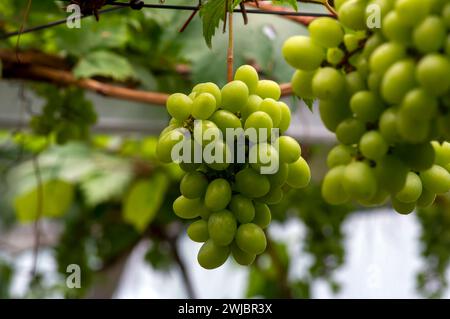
point(102, 194)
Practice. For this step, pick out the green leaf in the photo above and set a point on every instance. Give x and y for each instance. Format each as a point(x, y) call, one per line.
point(211, 12)
point(57, 196)
point(104, 63)
point(309, 103)
point(292, 3)
point(143, 201)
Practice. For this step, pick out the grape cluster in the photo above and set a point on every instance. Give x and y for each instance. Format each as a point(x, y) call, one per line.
point(229, 195)
point(384, 90)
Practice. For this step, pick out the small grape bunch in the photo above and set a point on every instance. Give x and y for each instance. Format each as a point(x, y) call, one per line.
point(381, 73)
point(237, 164)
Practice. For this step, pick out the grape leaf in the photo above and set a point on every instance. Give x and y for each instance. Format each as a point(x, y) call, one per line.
point(57, 196)
point(144, 200)
point(106, 64)
point(309, 103)
point(292, 3)
point(211, 12)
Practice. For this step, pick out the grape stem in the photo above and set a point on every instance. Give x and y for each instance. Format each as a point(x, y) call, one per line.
point(230, 57)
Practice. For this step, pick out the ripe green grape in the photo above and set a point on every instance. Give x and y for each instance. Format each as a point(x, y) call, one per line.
point(222, 227)
point(302, 53)
point(418, 157)
point(234, 96)
point(398, 80)
point(302, 83)
point(188, 208)
point(328, 83)
point(210, 88)
point(242, 207)
point(395, 30)
point(340, 155)
point(430, 26)
point(221, 155)
point(251, 106)
point(373, 145)
point(359, 180)
point(166, 144)
point(198, 231)
point(332, 189)
point(350, 131)
point(273, 197)
point(225, 119)
point(366, 105)
point(252, 184)
point(412, 12)
point(403, 208)
point(259, 121)
point(432, 74)
point(289, 150)
point(354, 82)
point(249, 76)
point(265, 156)
point(205, 132)
point(263, 216)
point(218, 194)
point(299, 174)
point(280, 177)
point(335, 55)
point(391, 173)
point(426, 199)
point(326, 32)
point(420, 105)
point(251, 239)
point(333, 112)
point(179, 106)
point(412, 130)
point(388, 126)
point(241, 257)
point(193, 185)
point(442, 153)
point(203, 106)
point(211, 256)
point(436, 179)
point(285, 121)
point(385, 55)
point(352, 14)
point(268, 89)
point(412, 189)
point(272, 108)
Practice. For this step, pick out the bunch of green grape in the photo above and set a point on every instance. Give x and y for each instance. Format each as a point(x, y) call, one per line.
point(67, 115)
point(381, 73)
point(228, 197)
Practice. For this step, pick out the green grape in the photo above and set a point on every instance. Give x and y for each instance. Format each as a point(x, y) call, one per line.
point(350, 131)
point(386, 55)
point(268, 89)
point(285, 121)
point(302, 53)
point(259, 121)
point(251, 239)
point(352, 14)
point(289, 149)
point(273, 197)
point(436, 179)
point(340, 155)
point(193, 185)
point(302, 83)
point(398, 80)
point(189, 167)
point(412, 189)
point(432, 74)
point(385, 6)
point(234, 96)
point(418, 157)
point(174, 122)
point(205, 132)
point(179, 106)
point(442, 153)
point(351, 42)
point(249, 76)
point(339, 3)
point(280, 177)
point(420, 105)
point(203, 106)
point(210, 88)
point(225, 119)
point(374, 82)
point(333, 112)
point(446, 15)
point(425, 43)
point(271, 107)
point(218, 194)
point(354, 82)
point(251, 106)
point(264, 155)
point(222, 227)
point(411, 12)
point(332, 189)
point(167, 129)
point(366, 106)
point(251, 184)
point(395, 30)
point(212, 256)
point(299, 174)
point(328, 83)
point(380, 198)
point(335, 55)
point(372, 43)
point(188, 208)
point(198, 231)
point(391, 173)
point(373, 145)
point(242, 207)
point(447, 45)
point(241, 257)
point(426, 199)
point(326, 32)
point(263, 216)
point(410, 129)
point(403, 208)
point(436, 6)
point(166, 144)
point(359, 181)
point(388, 126)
